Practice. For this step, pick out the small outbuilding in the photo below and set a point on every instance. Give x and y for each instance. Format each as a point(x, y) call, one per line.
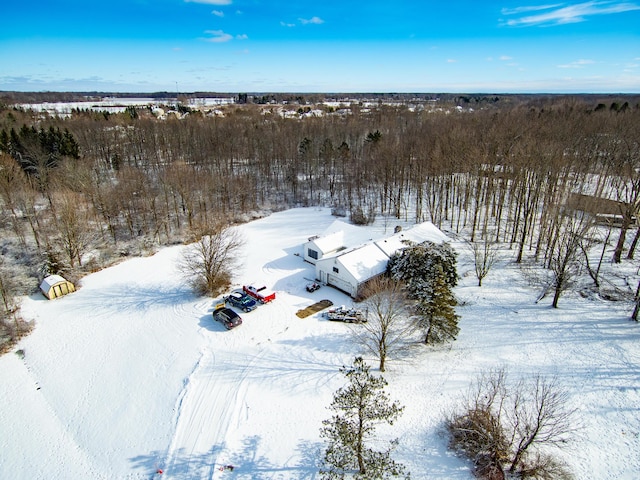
point(55, 286)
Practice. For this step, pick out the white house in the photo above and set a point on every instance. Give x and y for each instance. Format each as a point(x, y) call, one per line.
point(337, 237)
point(349, 269)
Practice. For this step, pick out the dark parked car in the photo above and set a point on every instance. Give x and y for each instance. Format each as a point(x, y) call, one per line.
point(242, 301)
point(227, 317)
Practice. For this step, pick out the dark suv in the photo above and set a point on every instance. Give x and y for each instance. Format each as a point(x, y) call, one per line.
point(227, 317)
point(242, 301)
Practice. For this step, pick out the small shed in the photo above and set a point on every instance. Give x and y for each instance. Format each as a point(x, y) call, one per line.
point(55, 286)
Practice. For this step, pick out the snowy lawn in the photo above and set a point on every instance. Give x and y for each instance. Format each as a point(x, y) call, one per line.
point(130, 374)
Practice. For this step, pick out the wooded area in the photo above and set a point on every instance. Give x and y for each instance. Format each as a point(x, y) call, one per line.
point(534, 173)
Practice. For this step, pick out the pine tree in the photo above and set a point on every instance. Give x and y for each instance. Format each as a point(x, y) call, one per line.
point(429, 272)
point(437, 311)
point(359, 408)
point(416, 264)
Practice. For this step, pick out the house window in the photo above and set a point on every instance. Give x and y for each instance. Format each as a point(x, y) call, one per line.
point(336, 270)
point(312, 253)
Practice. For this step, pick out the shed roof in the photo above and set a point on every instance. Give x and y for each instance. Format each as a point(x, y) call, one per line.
point(50, 281)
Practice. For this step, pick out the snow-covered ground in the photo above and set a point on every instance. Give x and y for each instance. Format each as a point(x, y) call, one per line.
point(130, 374)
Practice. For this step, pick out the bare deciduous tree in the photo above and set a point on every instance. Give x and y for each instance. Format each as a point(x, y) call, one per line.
point(210, 262)
point(585, 246)
point(507, 427)
point(563, 261)
point(72, 224)
point(12, 327)
point(389, 327)
point(485, 255)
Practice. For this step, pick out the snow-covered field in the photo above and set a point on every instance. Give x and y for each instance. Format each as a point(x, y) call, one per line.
point(130, 374)
point(118, 105)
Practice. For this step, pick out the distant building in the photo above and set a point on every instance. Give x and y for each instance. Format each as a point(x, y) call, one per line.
point(604, 210)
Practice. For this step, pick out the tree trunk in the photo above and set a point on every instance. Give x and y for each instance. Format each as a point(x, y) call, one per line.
point(556, 297)
point(382, 348)
point(617, 254)
point(427, 338)
point(634, 243)
point(636, 309)
point(361, 465)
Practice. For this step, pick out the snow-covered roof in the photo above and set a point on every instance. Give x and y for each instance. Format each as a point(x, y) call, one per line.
point(330, 243)
point(340, 235)
point(353, 234)
point(423, 232)
point(50, 281)
point(364, 262)
point(418, 233)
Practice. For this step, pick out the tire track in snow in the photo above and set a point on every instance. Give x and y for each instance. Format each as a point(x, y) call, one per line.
point(210, 407)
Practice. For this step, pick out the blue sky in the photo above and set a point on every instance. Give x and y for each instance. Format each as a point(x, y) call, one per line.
point(321, 46)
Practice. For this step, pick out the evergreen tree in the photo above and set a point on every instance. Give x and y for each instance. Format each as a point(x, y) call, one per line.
point(359, 407)
point(415, 265)
point(37, 150)
point(429, 272)
point(437, 311)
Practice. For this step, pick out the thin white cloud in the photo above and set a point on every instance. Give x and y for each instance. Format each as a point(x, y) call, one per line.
point(505, 58)
point(303, 21)
point(312, 20)
point(577, 64)
point(211, 2)
point(519, 10)
point(451, 60)
point(217, 13)
point(218, 36)
point(558, 14)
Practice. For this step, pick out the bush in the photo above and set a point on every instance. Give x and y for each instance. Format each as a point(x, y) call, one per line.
point(358, 217)
point(501, 428)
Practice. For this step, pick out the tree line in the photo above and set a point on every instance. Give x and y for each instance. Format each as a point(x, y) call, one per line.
point(513, 172)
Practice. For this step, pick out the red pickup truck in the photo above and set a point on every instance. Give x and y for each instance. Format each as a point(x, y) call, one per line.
point(261, 294)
